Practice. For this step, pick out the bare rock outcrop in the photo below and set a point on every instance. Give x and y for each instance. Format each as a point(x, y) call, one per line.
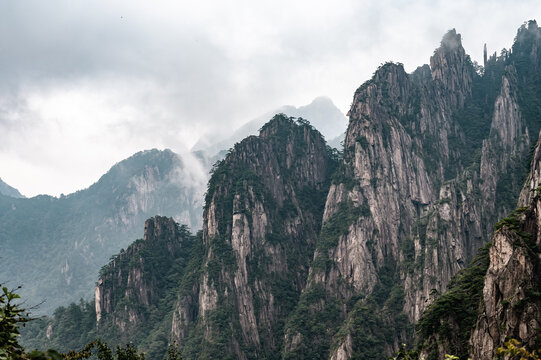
point(133, 281)
point(262, 215)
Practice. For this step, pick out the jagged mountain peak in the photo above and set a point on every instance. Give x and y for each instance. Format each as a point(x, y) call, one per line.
point(452, 68)
point(279, 122)
point(159, 227)
point(389, 70)
point(262, 213)
point(451, 41)
point(380, 74)
point(143, 164)
point(528, 29)
point(450, 49)
point(139, 161)
point(296, 260)
point(77, 233)
point(528, 45)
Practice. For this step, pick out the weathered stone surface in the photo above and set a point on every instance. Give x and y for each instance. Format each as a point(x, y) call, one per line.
point(511, 302)
point(128, 279)
point(400, 163)
point(260, 233)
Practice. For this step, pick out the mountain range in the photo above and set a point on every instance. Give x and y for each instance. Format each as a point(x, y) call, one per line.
point(423, 230)
point(321, 112)
point(53, 247)
point(66, 240)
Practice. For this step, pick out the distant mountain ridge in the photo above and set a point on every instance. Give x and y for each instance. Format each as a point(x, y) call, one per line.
point(53, 247)
point(7, 190)
point(321, 113)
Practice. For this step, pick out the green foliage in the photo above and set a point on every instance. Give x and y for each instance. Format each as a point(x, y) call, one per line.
point(514, 350)
point(371, 322)
point(173, 353)
point(11, 315)
point(337, 225)
point(101, 350)
point(377, 320)
point(128, 353)
point(459, 305)
point(344, 174)
point(314, 323)
point(224, 257)
point(475, 117)
point(510, 182)
point(514, 223)
point(367, 328)
point(408, 252)
point(405, 354)
point(526, 48)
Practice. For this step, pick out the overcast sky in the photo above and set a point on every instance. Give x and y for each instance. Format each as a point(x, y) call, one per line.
point(85, 84)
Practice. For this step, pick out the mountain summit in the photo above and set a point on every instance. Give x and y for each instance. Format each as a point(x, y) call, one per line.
point(321, 113)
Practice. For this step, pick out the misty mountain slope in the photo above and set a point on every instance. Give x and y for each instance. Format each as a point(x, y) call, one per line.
point(321, 113)
point(7, 190)
point(337, 142)
point(54, 247)
point(435, 158)
point(262, 213)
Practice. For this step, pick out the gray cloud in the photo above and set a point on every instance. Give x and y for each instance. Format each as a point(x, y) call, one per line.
point(86, 83)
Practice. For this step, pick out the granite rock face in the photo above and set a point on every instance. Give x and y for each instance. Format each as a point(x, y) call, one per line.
point(133, 282)
point(508, 291)
point(511, 303)
point(262, 215)
point(427, 207)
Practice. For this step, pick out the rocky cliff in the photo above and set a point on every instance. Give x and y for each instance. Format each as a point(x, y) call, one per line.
point(495, 297)
point(511, 299)
point(134, 296)
point(427, 203)
point(133, 281)
point(498, 296)
point(262, 214)
point(511, 302)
